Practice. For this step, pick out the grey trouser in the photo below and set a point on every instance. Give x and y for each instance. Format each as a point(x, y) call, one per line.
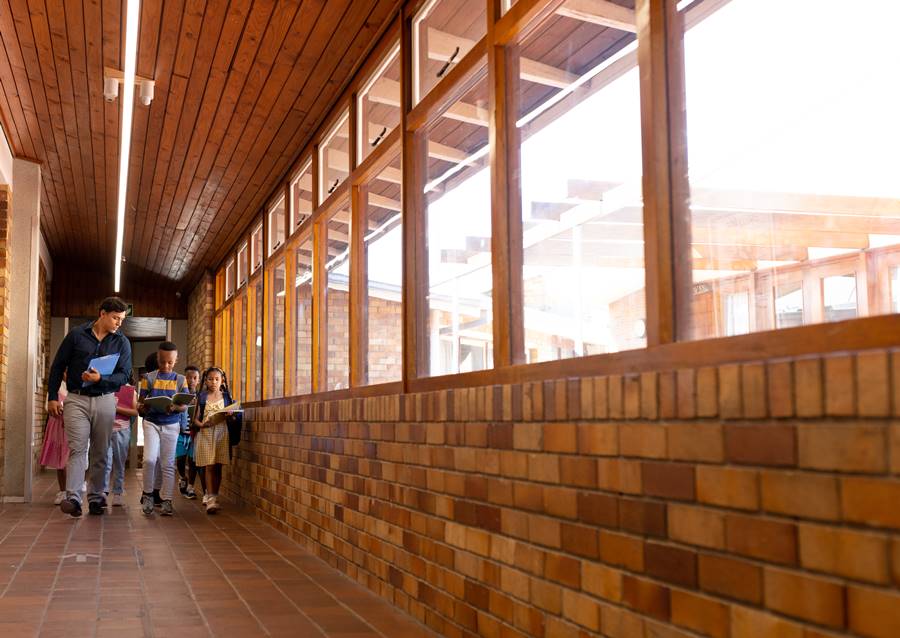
point(88, 420)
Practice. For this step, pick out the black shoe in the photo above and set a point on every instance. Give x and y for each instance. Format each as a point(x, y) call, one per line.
point(71, 507)
point(96, 507)
point(157, 499)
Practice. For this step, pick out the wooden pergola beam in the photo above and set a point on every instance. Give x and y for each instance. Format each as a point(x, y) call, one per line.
point(600, 12)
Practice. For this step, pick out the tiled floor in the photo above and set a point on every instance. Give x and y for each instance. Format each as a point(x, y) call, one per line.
point(122, 574)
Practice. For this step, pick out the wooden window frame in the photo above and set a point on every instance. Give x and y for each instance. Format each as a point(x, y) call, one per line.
point(666, 225)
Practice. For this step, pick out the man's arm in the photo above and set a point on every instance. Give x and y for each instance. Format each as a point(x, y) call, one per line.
point(119, 376)
point(60, 363)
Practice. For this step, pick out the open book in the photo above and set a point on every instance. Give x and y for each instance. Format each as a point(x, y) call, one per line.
point(221, 415)
point(161, 403)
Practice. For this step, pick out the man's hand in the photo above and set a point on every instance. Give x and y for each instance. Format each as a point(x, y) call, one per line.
point(90, 375)
point(55, 408)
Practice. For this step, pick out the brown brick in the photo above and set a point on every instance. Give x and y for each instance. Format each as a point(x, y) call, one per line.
point(753, 390)
point(668, 406)
point(873, 612)
point(668, 480)
point(586, 397)
point(730, 392)
point(615, 397)
point(598, 509)
point(760, 538)
point(546, 595)
point(646, 596)
point(649, 394)
point(761, 444)
point(527, 436)
point(560, 501)
point(780, 384)
point(579, 540)
point(845, 447)
point(696, 442)
point(545, 531)
point(560, 437)
point(622, 551)
point(840, 385)
point(671, 564)
point(631, 390)
point(686, 389)
point(581, 610)
point(731, 577)
point(800, 494)
point(871, 501)
point(696, 526)
point(701, 614)
point(563, 569)
point(895, 560)
point(707, 392)
point(619, 475)
point(602, 581)
point(808, 383)
point(728, 487)
point(643, 440)
point(810, 598)
point(643, 517)
point(598, 438)
point(873, 388)
point(752, 623)
point(618, 622)
point(844, 552)
point(580, 471)
point(601, 398)
point(894, 447)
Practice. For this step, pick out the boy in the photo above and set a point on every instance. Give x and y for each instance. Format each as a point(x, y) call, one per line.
point(184, 455)
point(161, 427)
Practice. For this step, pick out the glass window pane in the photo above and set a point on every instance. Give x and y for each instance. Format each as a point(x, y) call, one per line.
point(275, 378)
point(276, 225)
point(443, 32)
point(229, 279)
point(895, 289)
point(301, 196)
point(243, 262)
point(227, 335)
point(792, 158)
point(384, 269)
point(458, 238)
point(378, 108)
point(334, 157)
point(303, 318)
point(579, 128)
point(337, 300)
point(737, 313)
point(242, 351)
point(256, 248)
point(258, 361)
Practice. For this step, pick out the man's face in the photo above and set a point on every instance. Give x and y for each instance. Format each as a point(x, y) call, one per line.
point(166, 360)
point(193, 379)
point(111, 321)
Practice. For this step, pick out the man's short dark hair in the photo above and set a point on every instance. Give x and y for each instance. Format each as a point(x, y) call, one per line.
point(191, 369)
point(113, 304)
point(168, 346)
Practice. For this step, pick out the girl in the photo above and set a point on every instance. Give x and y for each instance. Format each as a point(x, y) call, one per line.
point(126, 399)
point(55, 450)
point(211, 439)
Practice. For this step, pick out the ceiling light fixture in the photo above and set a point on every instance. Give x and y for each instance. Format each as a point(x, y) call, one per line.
point(131, 33)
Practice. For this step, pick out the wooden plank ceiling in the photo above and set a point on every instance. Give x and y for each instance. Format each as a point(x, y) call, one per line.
point(240, 88)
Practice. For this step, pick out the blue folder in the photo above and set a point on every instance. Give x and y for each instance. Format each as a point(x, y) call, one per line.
point(104, 365)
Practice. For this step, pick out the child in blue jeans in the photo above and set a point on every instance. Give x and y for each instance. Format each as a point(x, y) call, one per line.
point(184, 452)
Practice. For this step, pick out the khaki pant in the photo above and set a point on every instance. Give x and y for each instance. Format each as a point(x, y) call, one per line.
point(88, 422)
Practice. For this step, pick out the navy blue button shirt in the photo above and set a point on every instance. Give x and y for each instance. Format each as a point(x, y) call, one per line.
point(76, 352)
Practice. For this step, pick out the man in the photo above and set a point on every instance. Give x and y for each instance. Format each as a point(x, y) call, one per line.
point(90, 407)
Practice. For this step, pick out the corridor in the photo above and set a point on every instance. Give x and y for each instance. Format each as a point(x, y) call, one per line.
point(195, 575)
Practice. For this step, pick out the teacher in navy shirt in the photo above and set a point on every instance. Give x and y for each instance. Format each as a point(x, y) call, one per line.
point(90, 407)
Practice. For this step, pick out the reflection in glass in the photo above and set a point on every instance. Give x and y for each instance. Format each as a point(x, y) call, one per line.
point(303, 317)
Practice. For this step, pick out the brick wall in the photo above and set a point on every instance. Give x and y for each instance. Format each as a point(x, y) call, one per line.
point(201, 306)
point(42, 365)
point(5, 219)
point(739, 501)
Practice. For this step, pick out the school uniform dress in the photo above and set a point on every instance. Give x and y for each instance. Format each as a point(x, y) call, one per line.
point(211, 444)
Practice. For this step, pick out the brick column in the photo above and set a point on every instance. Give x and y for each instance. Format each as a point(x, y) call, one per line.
point(201, 306)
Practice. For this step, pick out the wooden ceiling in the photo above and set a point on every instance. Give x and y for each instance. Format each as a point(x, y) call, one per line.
point(240, 88)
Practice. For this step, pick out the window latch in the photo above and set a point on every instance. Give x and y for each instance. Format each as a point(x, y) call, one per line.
point(379, 137)
point(333, 186)
point(447, 64)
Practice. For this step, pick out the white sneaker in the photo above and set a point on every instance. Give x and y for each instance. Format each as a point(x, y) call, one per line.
point(205, 499)
point(212, 505)
point(117, 500)
point(60, 497)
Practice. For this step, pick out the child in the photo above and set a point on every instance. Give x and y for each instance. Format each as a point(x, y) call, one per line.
point(120, 440)
point(184, 453)
point(55, 450)
point(161, 427)
point(211, 440)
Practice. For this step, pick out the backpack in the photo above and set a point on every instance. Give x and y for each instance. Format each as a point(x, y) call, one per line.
point(234, 422)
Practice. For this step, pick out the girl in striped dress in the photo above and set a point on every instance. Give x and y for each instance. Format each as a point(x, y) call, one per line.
point(211, 438)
